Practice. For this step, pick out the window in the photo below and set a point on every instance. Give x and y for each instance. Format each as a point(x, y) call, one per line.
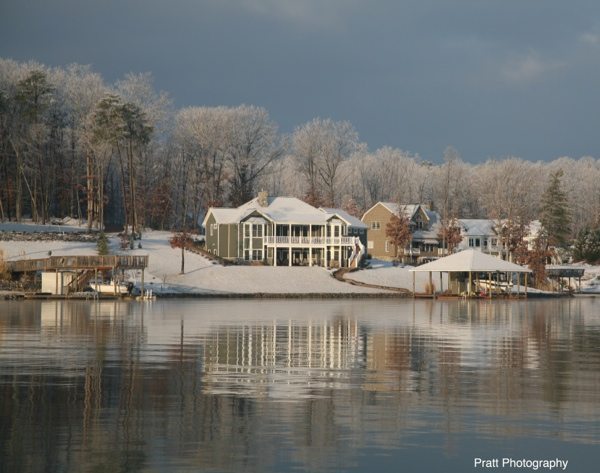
point(247, 255)
point(336, 231)
point(375, 225)
point(387, 246)
point(370, 245)
point(471, 242)
point(257, 231)
point(419, 225)
point(257, 255)
point(211, 230)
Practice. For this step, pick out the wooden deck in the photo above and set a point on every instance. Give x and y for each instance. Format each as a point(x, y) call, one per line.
point(60, 263)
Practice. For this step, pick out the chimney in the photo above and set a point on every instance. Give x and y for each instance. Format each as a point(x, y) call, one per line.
point(263, 198)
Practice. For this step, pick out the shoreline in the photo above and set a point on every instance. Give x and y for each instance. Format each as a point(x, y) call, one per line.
point(16, 295)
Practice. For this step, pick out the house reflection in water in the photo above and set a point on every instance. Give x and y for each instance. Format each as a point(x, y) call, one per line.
point(213, 383)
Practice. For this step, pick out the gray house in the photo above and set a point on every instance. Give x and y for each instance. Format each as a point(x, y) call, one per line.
point(285, 231)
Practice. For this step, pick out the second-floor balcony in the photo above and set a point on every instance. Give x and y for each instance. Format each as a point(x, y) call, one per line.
point(308, 241)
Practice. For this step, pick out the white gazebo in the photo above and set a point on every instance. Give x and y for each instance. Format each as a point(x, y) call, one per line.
point(472, 263)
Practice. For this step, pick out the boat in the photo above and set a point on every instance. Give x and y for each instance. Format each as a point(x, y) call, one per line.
point(122, 288)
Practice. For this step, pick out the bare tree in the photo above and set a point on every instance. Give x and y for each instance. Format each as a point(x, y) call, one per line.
point(398, 230)
point(253, 144)
point(320, 147)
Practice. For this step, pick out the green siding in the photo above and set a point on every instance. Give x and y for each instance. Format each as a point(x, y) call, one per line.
point(211, 235)
point(233, 240)
point(223, 241)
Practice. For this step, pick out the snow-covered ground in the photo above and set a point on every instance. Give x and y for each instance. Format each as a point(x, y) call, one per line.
point(590, 282)
point(68, 225)
point(205, 277)
point(201, 275)
point(383, 273)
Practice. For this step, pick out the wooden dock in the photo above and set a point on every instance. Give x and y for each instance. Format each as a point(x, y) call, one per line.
point(64, 263)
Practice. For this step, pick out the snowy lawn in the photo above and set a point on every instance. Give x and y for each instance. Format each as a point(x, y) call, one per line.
point(68, 225)
point(205, 277)
point(388, 275)
point(201, 275)
point(590, 281)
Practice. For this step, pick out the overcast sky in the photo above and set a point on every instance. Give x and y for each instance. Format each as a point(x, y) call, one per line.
point(489, 77)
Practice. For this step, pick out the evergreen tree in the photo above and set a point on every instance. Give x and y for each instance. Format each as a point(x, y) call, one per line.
point(587, 246)
point(555, 216)
point(102, 244)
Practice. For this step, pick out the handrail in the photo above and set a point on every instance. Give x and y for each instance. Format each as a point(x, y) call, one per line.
point(78, 262)
point(296, 240)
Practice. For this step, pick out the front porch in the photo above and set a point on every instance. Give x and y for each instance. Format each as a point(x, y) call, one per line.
point(327, 257)
point(308, 245)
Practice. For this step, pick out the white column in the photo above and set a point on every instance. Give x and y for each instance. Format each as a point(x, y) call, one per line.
point(290, 244)
point(310, 244)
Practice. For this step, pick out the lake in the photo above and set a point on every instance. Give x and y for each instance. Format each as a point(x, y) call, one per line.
point(378, 385)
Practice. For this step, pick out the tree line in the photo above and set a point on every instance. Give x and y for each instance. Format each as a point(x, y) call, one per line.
point(121, 156)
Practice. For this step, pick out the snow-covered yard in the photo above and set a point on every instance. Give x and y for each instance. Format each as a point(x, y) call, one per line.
point(590, 282)
point(382, 273)
point(205, 277)
point(201, 275)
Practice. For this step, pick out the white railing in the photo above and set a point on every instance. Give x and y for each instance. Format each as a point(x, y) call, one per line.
point(412, 251)
point(314, 241)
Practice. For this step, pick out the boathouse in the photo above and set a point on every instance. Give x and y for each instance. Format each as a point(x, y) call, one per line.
point(472, 273)
point(63, 275)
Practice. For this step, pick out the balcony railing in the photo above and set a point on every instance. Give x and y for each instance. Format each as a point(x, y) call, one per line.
point(313, 241)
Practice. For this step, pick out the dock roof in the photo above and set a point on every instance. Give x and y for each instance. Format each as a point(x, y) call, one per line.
point(473, 261)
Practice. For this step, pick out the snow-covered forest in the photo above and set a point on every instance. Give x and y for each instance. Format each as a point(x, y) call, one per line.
point(72, 144)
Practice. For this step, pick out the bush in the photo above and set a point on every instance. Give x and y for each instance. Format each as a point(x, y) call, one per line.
point(102, 244)
point(587, 246)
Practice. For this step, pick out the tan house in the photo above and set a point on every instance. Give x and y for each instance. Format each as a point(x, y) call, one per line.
point(424, 225)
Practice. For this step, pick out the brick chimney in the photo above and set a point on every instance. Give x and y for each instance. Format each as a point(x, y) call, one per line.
point(263, 198)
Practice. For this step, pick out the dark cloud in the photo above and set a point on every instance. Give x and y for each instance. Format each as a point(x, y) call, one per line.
point(491, 78)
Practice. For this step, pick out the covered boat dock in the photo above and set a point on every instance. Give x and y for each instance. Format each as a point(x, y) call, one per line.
point(472, 273)
point(64, 275)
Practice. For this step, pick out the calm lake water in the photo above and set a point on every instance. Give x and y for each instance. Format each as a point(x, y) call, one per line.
point(288, 385)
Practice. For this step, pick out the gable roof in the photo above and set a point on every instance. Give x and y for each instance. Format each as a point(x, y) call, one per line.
point(477, 226)
point(349, 219)
point(471, 261)
point(393, 207)
point(284, 210)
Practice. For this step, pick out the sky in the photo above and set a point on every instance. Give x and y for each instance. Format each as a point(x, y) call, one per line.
point(492, 78)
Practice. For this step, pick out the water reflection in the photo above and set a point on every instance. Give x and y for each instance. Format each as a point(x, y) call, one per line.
point(280, 385)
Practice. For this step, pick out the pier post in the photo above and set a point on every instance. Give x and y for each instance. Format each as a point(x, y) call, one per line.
point(431, 284)
point(142, 288)
point(470, 283)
